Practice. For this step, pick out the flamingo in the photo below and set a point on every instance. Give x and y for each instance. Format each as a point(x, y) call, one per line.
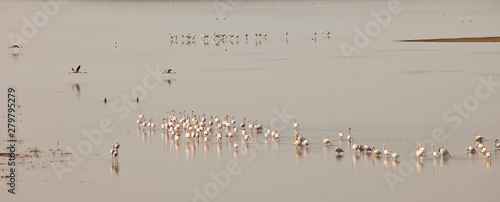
point(206, 139)
point(276, 135)
point(434, 153)
point(219, 137)
point(15, 46)
point(235, 145)
point(76, 71)
point(297, 143)
point(444, 152)
point(420, 151)
point(349, 138)
point(497, 143)
point(295, 124)
point(326, 141)
point(117, 145)
point(176, 138)
point(471, 150)
point(169, 71)
point(477, 138)
point(339, 150)
point(306, 142)
point(395, 155)
point(376, 152)
point(267, 135)
point(483, 150)
point(242, 125)
point(386, 152)
point(341, 135)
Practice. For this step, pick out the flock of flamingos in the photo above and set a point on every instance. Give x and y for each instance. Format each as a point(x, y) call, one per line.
point(194, 127)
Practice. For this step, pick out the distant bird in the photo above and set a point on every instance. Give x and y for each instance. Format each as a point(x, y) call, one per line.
point(115, 42)
point(326, 141)
point(471, 150)
point(497, 143)
point(395, 155)
point(341, 135)
point(169, 71)
point(477, 138)
point(349, 138)
point(295, 124)
point(76, 71)
point(105, 100)
point(376, 152)
point(235, 145)
point(437, 154)
point(338, 150)
point(15, 46)
point(386, 152)
point(117, 145)
point(444, 152)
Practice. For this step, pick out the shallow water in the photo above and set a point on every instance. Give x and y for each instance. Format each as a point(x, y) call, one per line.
point(390, 93)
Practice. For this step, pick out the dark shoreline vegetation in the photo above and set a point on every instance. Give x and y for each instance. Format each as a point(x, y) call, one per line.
point(464, 39)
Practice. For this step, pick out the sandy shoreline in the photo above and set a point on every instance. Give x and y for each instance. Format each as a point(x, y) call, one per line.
point(464, 39)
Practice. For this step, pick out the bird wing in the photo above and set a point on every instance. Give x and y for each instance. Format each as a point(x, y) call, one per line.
point(78, 69)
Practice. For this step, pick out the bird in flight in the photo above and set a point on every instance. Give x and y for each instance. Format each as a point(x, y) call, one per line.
point(76, 71)
point(169, 71)
point(15, 46)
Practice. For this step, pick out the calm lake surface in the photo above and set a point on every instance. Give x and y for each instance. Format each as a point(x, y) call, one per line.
point(389, 92)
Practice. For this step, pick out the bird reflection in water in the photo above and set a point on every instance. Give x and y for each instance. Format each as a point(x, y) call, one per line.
point(219, 150)
point(419, 165)
point(168, 81)
point(115, 168)
point(76, 87)
point(300, 153)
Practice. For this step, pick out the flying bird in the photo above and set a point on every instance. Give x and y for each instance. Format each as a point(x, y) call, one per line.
point(169, 71)
point(76, 71)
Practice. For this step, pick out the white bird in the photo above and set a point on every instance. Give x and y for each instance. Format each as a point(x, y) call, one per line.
point(117, 145)
point(235, 145)
point(434, 153)
point(297, 143)
point(477, 138)
point(338, 150)
point(386, 152)
point(305, 142)
point(177, 138)
point(295, 124)
point(326, 141)
point(267, 135)
point(395, 155)
point(206, 139)
point(420, 151)
point(276, 135)
point(341, 135)
point(471, 150)
point(480, 146)
point(483, 150)
point(497, 143)
point(349, 138)
point(246, 137)
point(376, 152)
point(487, 155)
point(444, 152)
point(219, 137)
